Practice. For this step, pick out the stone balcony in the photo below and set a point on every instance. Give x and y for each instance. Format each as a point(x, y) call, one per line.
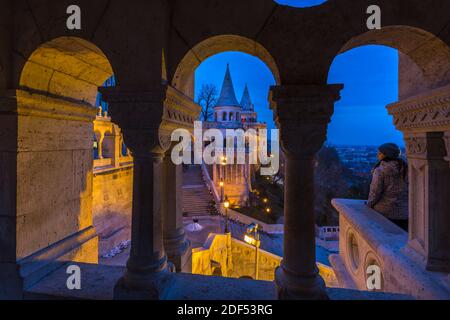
point(367, 238)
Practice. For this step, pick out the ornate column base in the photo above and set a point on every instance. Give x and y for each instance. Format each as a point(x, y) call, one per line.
point(143, 283)
point(179, 252)
point(297, 287)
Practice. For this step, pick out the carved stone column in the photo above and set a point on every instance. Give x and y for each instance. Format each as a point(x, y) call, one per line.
point(425, 123)
point(139, 114)
point(302, 115)
point(429, 205)
point(178, 248)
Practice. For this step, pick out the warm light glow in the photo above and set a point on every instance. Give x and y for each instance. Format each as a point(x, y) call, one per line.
point(221, 183)
point(226, 203)
point(250, 240)
point(265, 200)
point(268, 210)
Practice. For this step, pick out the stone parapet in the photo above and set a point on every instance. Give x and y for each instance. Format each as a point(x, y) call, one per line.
point(366, 239)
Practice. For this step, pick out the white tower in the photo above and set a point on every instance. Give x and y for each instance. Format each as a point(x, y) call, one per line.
point(228, 111)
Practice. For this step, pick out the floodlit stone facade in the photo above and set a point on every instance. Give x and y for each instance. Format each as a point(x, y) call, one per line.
point(238, 261)
point(49, 79)
point(234, 180)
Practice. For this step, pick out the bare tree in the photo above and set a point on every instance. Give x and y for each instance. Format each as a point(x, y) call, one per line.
point(207, 99)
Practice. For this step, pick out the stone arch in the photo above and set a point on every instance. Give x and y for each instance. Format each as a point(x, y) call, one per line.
point(420, 51)
point(66, 67)
point(183, 78)
point(56, 95)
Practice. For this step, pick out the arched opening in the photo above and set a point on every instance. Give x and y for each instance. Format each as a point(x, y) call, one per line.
point(412, 71)
point(249, 63)
point(377, 68)
point(56, 101)
point(360, 124)
point(184, 77)
point(108, 145)
point(424, 59)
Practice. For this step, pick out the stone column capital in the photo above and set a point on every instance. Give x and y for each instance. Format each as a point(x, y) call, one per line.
point(425, 145)
point(447, 145)
point(302, 113)
point(139, 115)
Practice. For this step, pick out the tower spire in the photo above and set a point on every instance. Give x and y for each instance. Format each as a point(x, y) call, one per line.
point(246, 101)
point(227, 94)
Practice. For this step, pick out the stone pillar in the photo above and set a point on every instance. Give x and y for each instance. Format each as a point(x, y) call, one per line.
point(100, 145)
point(425, 123)
point(429, 205)
point(139, 115)
point(11, 282)
point(302, 115)
point(117, 145)
point(178, 248)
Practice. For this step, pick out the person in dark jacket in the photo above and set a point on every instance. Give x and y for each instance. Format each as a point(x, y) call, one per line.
point(389, 188)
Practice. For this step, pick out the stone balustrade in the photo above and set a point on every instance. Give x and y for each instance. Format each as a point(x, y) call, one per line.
point(367, 238)
point(328, 233)
point(110, 147)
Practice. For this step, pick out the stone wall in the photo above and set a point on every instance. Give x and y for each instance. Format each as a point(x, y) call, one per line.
point(211, 259)
point(54, 172)
point(112, 193)
point(111, 207)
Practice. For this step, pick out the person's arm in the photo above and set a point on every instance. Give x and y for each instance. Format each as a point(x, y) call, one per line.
point(376, 189)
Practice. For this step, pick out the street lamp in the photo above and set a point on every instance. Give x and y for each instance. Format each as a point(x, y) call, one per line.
point(226, 205)
point(268, 210)
point(221, 184)
point(222, 168)
point(252, 238)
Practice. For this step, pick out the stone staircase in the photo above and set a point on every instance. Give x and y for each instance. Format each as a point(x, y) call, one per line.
point(196, 196)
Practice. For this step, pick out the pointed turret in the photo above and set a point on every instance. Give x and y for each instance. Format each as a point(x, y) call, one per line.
point(246, 101)
point(227, 95)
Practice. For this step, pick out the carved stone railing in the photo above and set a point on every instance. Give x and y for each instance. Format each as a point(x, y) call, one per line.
point(369, 239)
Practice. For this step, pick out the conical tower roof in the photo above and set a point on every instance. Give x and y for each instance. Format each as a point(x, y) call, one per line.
point(227, 95)
point(246, 101)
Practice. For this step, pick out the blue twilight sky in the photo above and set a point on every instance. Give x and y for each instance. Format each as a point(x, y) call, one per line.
point(301, 3)
point(369, 73)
